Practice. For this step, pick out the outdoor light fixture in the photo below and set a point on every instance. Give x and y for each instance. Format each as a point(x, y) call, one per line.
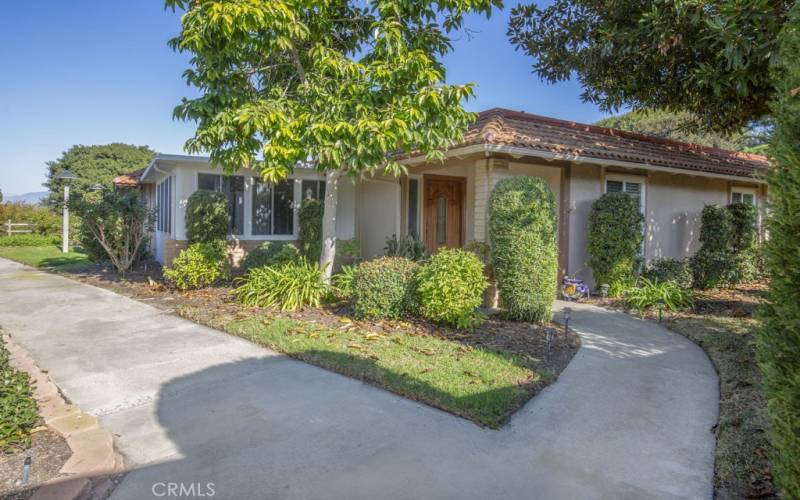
point(567, 315)
point(660, 307)
point(98, 187)
point(66, 176)
point(604, 290)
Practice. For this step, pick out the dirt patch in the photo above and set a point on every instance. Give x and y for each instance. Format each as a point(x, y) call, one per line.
point(48, 452)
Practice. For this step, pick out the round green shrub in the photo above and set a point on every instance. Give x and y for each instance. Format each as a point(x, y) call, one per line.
point(522, 240)
point(385, 288)
point(207, 217)
point(310, 232)
point(615, 238)
point(451, 287)
point(271, 253)
point(198, 266)
point(675, 270)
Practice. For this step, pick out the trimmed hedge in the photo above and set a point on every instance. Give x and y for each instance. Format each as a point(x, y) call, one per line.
point(616, 232)
point(522, 240)
point(29, 240)
point(271, 253)
point(310, 232)
point(744, 242)
point(451, 287)
point(207, 217)
point(200, 265)
point(778, 341)
point(385, 288)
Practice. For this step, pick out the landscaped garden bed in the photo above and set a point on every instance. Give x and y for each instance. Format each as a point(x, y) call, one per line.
point(23, 435)
point(483, 374)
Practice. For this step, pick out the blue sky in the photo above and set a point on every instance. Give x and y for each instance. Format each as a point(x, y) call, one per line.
point(94, 72)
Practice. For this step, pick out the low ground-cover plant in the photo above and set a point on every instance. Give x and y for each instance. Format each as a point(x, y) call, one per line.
point(271, 253)
point(18, 410)
point(385, 288)
point(667, 269)
point(451, 287)
point(198, 266)
point(522, 231)
point(615, 238)
point(344, 281)
point(310, 231)
point(29, 240)
point(649, 293)
point(291, 286)
point(405, 246)
point(207, 217)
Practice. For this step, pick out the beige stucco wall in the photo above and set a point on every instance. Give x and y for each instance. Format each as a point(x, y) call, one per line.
point(673, 205)
point(377, 202)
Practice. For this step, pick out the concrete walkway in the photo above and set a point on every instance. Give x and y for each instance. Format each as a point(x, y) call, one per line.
point(630, 417)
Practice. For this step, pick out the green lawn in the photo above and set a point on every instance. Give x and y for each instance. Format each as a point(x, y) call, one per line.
point(49, 257)
point(481, 385)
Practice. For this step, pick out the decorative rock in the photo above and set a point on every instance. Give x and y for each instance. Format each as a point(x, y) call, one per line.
point(69, 489)
point(73, 424)
point(92, 453)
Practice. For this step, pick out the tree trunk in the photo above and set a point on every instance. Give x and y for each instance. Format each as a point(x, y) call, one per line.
point(329, 224)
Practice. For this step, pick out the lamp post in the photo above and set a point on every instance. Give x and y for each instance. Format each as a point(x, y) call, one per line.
point(660, 307)
point(604, 291)
point(67, 177)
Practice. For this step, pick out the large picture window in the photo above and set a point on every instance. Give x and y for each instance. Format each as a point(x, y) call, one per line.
point(273, 208)
point(232, 186)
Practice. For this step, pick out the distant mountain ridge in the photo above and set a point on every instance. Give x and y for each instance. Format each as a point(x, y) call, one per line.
point(29, 198)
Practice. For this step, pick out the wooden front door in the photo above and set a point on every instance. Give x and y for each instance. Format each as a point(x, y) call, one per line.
point(444, 211)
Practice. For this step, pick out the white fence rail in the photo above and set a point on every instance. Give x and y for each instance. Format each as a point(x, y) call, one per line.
point(17, 228)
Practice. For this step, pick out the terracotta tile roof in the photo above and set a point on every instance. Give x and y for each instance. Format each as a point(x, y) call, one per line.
point(129, 180)
point(514, 128)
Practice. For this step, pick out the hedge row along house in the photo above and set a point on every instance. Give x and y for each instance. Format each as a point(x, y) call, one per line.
point(445, 203)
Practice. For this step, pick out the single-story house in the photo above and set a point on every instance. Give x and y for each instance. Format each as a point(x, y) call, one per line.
point(445, 203)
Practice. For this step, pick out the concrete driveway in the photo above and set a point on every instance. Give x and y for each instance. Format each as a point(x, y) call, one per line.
point(630, 417)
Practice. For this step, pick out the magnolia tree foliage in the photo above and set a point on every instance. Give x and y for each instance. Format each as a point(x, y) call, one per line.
point(709, 58)
point(336, 84)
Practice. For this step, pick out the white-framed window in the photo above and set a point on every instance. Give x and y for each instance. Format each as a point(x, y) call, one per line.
point(633, 185)
point(273, 207)
point(164, 205)
point(741, 194)
point(232, 186)
point(312, 190)
point(414, 211)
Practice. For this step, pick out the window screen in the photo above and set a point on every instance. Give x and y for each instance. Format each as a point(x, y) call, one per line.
point(313, 190)
point(273, 208)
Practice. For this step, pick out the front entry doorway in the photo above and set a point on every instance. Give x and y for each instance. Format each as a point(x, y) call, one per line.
point(444, 211)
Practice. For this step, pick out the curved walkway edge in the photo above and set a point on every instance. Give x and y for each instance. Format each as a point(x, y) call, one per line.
point(630, 417)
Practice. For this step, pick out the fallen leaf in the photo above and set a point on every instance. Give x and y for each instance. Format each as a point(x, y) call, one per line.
point(373, 336)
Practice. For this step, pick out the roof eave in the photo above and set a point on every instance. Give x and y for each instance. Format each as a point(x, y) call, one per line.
point(488, 148)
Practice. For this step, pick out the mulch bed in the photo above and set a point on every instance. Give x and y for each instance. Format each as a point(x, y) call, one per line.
point(48, 453)
point(214, 306)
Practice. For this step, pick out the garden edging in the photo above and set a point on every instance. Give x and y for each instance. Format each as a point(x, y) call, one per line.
point(93, 460)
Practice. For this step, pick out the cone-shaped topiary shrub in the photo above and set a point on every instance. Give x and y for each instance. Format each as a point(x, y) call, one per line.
point(779, 338)
point(616, 231)
point(712, 265)
point(522, 240)
point(310, 233)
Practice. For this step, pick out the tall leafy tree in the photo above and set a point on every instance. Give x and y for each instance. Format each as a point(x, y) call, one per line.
point(94, 165)
point(680, 126)
point(709, 58)
point(334, 84)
